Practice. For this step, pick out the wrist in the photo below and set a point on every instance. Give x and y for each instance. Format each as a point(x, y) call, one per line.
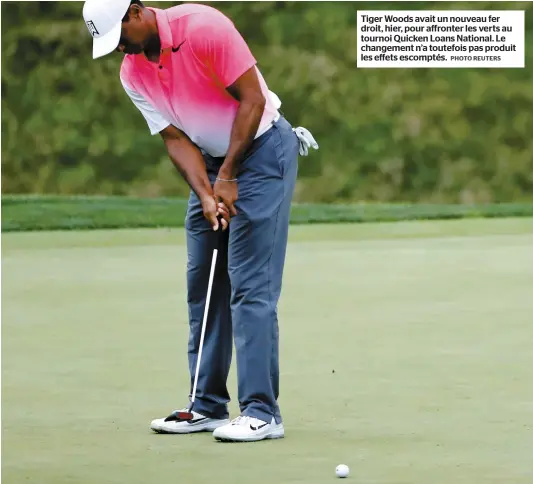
point(205, 197)
point(227, 171)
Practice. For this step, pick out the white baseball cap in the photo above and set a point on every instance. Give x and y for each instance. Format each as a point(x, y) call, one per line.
point(104, 21)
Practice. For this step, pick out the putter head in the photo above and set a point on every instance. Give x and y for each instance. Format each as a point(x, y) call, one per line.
point(180, 416)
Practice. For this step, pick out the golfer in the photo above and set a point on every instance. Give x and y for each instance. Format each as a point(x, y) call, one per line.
point(194, 79)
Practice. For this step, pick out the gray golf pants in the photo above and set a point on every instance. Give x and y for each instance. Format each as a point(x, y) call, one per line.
point(247, 280)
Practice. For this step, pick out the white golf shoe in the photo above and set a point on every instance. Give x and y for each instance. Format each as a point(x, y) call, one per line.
point(199, 423)
point(249, 429)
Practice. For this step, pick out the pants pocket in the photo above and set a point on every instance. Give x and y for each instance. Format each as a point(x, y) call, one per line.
point(263, 160)
point(279, 151)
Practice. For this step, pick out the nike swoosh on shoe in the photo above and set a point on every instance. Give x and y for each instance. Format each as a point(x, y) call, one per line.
point(259, 427)
point(192, 422)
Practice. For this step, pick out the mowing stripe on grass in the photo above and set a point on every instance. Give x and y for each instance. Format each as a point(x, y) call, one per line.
point(25, 213)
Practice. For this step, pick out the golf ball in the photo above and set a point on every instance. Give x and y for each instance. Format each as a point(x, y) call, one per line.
point(342, 470)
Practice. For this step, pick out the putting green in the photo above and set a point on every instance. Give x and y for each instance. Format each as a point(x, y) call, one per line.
point(406, 354)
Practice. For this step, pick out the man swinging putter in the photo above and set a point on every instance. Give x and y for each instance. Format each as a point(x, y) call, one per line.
point(194, 79)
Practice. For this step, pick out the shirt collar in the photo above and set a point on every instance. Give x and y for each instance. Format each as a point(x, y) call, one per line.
point(163, 27)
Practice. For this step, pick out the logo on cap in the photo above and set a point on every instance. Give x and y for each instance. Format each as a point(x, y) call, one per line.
point(92, 28)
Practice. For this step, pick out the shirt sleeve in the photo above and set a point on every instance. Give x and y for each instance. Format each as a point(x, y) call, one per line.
point(156, 122)
point(217, 43)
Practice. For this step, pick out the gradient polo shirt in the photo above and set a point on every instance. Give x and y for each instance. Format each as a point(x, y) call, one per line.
point(202, 53)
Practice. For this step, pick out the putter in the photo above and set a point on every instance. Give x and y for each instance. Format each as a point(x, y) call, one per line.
point(187, 415)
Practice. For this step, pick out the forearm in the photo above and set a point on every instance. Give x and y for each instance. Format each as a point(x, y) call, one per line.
point(190, 163)
point(244, 129)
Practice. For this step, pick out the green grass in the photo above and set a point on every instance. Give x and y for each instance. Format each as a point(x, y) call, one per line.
point(23, 213)
point(426, 324)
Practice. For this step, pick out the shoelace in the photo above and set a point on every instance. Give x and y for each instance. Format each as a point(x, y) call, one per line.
point(239, 420)
point(245, 420)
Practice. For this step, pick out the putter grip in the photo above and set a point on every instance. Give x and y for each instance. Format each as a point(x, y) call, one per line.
point(219, 233)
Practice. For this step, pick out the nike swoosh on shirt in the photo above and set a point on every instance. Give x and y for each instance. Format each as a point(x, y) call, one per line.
point(175, 49)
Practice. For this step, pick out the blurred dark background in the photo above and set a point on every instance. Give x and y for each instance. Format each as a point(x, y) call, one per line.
point(417, 135)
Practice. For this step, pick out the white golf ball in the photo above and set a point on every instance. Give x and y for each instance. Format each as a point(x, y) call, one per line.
point(342, 470)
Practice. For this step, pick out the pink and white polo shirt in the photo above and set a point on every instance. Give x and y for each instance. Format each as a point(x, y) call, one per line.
point(202, 53)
